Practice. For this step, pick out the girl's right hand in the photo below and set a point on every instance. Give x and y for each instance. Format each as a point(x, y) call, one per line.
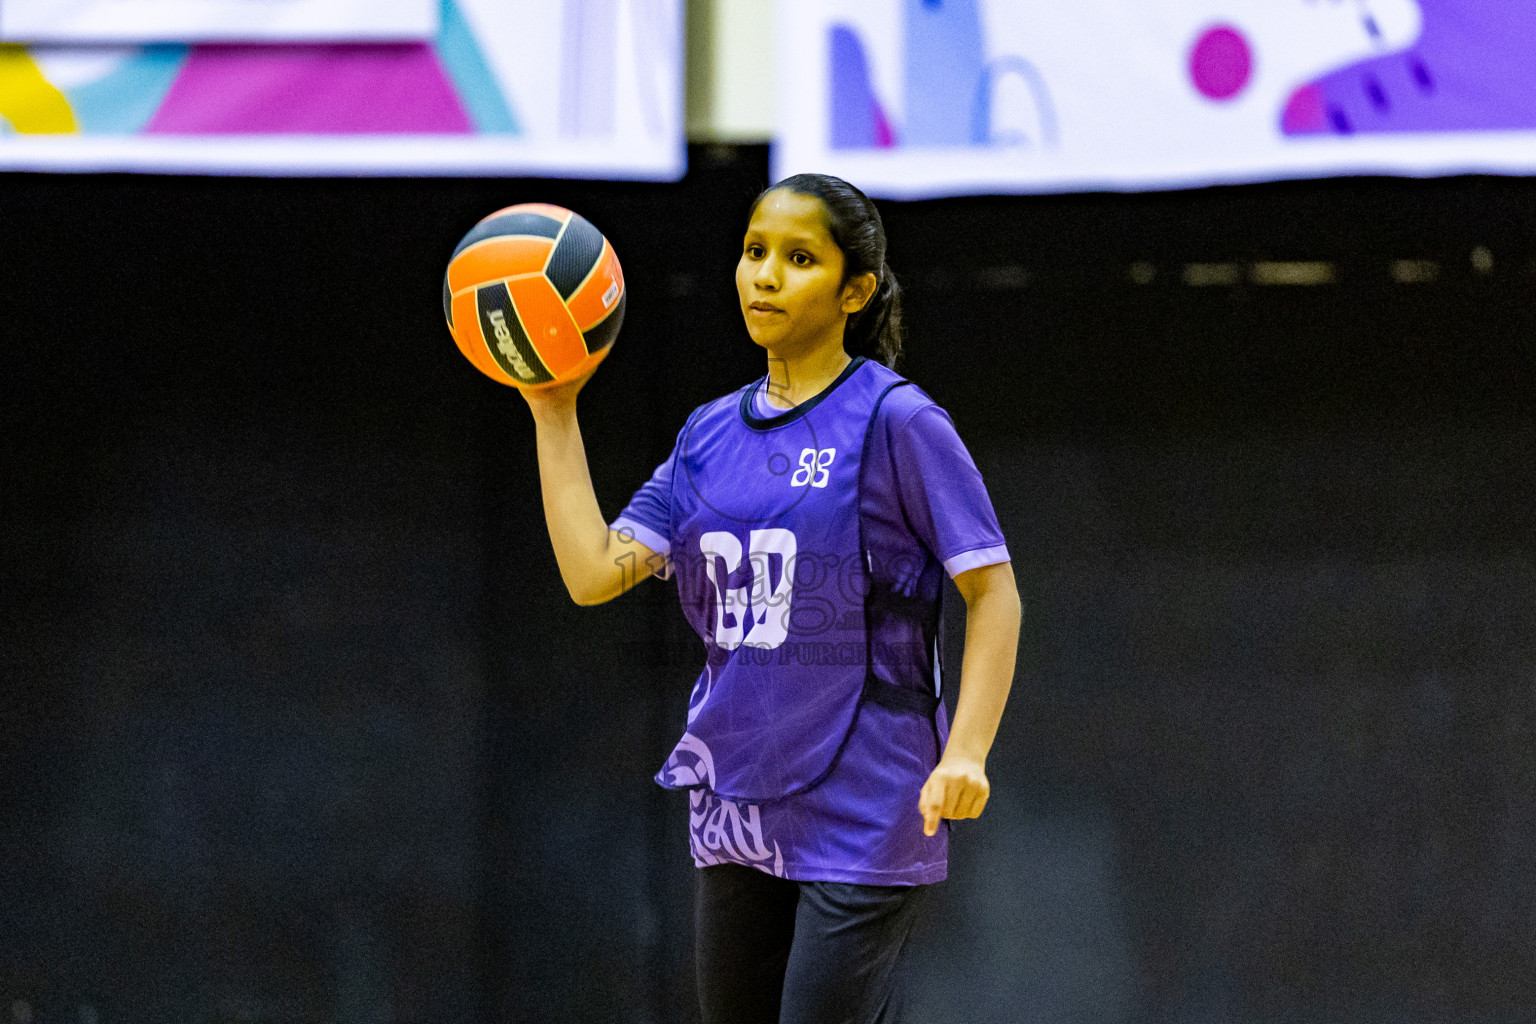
point(556, 399)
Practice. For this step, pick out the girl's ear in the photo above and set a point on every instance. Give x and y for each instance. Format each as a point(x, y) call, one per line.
point(858, 291)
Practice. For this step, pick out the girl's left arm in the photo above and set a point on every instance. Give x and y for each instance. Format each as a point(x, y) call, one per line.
point(958, 787)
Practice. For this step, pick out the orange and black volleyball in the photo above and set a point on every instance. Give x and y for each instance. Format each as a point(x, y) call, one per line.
point(534, 295)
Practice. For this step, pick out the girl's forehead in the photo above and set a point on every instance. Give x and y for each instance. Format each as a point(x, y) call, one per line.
point(789, 213)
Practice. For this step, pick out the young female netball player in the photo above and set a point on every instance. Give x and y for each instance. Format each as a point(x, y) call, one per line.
point(807, 518)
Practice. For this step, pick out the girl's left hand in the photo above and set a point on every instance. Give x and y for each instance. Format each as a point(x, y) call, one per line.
point(958, 788)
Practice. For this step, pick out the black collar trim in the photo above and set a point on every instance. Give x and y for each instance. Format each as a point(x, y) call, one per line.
point(757, 422)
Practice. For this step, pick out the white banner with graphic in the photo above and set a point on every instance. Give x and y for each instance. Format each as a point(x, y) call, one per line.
point(584, 88)
point(911, 98)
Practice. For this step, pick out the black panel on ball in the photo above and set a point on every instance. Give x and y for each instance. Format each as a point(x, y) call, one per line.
point(602, 334)
point(535, 224)
point(575, 255)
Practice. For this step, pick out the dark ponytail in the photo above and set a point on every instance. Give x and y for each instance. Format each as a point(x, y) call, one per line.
point(874, 331)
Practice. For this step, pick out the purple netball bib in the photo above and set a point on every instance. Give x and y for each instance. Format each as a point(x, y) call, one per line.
point(774, 578)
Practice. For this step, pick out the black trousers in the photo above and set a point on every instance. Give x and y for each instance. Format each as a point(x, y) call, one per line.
point(775, 951)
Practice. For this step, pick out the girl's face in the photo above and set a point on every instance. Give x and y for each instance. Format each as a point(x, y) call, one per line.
point(790, 277)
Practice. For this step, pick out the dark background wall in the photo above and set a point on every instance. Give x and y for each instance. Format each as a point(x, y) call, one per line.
point(299, 725)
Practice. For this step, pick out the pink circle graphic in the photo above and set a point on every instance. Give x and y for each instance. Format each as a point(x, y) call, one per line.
point(1221, 62)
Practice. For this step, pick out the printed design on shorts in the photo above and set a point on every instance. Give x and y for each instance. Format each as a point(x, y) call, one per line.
point(814, 467)
point(721, 831)
point(750, 613)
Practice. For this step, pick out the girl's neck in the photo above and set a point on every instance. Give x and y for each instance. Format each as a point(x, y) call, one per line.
point(795, 379)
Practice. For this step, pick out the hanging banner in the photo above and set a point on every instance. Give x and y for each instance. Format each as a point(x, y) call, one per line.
point(913, 98)
point(581, 88)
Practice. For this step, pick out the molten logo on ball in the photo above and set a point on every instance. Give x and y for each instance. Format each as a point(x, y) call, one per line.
point(506, 348)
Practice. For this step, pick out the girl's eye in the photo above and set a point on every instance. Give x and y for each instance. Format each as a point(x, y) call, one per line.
point(755, 252)
point(801, 259)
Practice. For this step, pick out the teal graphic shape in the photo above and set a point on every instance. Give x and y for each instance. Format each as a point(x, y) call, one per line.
point(123, 102)
point(458, 51)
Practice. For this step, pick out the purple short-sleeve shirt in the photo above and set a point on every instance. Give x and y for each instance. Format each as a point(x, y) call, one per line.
point(923, 501)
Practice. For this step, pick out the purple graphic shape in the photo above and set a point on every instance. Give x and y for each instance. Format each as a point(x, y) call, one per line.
point(858, 121)
point(950, 83)
point(946, 57)
point(1470, 70)
point(321, 90)
point(1220, 62)
point(981, 111)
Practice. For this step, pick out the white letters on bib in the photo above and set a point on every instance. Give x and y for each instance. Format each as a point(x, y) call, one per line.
point(750, 614)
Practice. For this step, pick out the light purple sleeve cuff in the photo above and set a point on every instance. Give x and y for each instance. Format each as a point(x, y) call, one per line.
point(964, 560)
point(650, 538)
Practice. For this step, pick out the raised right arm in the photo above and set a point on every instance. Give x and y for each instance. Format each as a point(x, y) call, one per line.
point(596, 563)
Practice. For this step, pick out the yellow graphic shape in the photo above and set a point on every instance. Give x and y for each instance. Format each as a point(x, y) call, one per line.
point(30, 102)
